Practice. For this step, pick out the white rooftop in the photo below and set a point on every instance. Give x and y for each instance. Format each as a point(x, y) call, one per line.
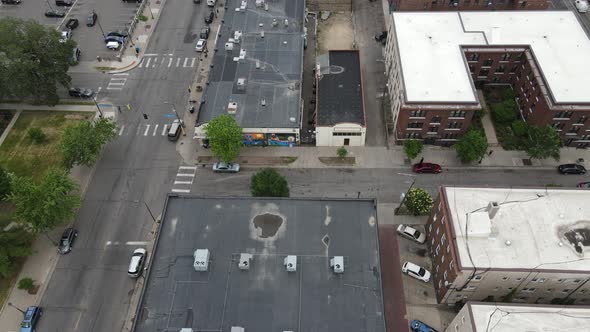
point(529, 231)
point(434, 69)
point(530, 318)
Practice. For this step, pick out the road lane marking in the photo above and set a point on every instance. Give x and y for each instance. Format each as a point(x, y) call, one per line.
point(147, 128)
point(151, 54)
point(137, 131)
point(183, 182)
point(185, 62)
point(141, 63)
point(121, 130)
point(185, 174)
point(169, 62)
point(188, 167)
point(177, 61)
point(155, 62)
point(193, 62)
point(181, 190)
point(164, 129)
point(155, 130)
point(147, 62)
point(136, 243)
point(121, 74)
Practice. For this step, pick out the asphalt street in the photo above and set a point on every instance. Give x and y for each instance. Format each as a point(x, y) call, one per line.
point(90, 290)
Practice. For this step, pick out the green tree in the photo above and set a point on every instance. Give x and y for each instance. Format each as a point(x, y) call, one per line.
point(4, 184)
point(412, 148)
point(43, 206)
point(505, 112)
point(32, 61)
point(269, 183)
point(543, 142)
point(37, 135)
point(472, 146)
point(419, 202)
point(82, 143)
point(341, 152)
point(225, 138)
point(519, 128)
point(16, 243)
point(26, 283)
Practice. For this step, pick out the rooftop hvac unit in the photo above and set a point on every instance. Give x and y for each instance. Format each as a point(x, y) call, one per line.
point(244, 5)
point(290, 263)
point(493, 208)
point(244, 263)
point(232, 108)
point(186, 329)
point(237, 36)
point(241, 84)
point(259, 3)
point(286, 22)
point(261, 34)
point(229, 46)
point(337, 264)
point(201, 262)
point(242, 54)
point(237, 329)
point(274, 22)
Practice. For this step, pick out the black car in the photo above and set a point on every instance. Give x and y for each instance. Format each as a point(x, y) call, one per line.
point(80, 93)
point(204, 33)
point(72, 23)
point(91, 19)
point(209, 18)
point(54, 13)
point(121, 34)
point(571, 169)
point(67, 240)
point(11, 2)
point(65, 3)
point(381, 36)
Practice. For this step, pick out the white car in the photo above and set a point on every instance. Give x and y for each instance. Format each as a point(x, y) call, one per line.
point(411, 233)
point(416, 271)
point(113, 45)
point(201, 45)
point(581, 5)
point(137, 261)
point(65, 36)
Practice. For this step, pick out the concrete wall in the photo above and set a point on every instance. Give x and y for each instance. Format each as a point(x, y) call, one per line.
point(336, 135)
point(329, 5)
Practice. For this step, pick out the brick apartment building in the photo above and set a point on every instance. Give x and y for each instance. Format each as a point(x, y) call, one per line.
point(436, 62)
point(448, 5)
point(510, 245)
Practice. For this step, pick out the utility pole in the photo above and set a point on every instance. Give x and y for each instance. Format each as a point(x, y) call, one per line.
point(150, 212)
point(100, 27)
point(405, 196)
point(15, 307)
point(96, 104)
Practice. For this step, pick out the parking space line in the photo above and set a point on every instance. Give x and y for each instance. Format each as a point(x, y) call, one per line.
point(185, 61)
point(150, 54)
point(183, 182)
point(177, 61)
point(121, 74)
point(164, 129)
point(185, 174)
point(136, 243)
point(141, 63)
point(188, 167)
point(121, 130)
point(155, 62)
point(193, 62)
point(147, 129)
point(181, 190)
point(155, 130)
point(169, 62)
point(147, 63)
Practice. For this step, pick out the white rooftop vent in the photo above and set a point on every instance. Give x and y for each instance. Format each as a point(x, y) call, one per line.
point(286, 22)
point(237, 36)
point(241, 84)
point(493, 208)
point(237, 329)
point(257, 64)
point(261, 34)
point(263, 102)
point(244, 263)
point(242, 54)
point(292, 119)
point(259, 3)
point(201, 262)
point(232, 107)
point(290, 263)
point(229, 46)
point(337, 264)
point(186, 329)
point(244, 5)
point(274, 22)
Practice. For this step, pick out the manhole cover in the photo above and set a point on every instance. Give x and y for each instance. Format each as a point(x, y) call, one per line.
point(268, 223)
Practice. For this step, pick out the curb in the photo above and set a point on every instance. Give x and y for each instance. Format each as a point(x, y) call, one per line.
point(129, 67)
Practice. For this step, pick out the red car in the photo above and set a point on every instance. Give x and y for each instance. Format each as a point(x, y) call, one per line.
point(427, 168)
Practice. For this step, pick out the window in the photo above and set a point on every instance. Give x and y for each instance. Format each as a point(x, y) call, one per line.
point(470, 288)
point(519, 57)
point(518, 279)
point(445, 274)
point(573, 130)
point(451, 264)
point(448, 249)
point(577, 281)
point(483, 72)
point(430, 228)
point(472, 69)
point(582, 119)
point(443, 239)
point(433, 129)
point(488, 62)
point(439, 283)
point(442, 220)
point(437, 250)
point(513, 69)
point(435, 119)
point(505, 278)
point(539, 280)
point(437, 230)
point(454, 125)
point(560, 280)
point(474, 57)
point(346, 134)
point(500, 69)
point(549, 290)
point(496, 289)
point(528, 290)
point(456, 328)
point(413, 135)
point(451, 136)
point(563, 115)
point(415, 125)
point(457, 114)
point(558, 125)
point(505, 57)
point(566, 291)
point(417, 114)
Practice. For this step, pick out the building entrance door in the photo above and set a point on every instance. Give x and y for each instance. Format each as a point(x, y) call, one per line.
point(347, 141)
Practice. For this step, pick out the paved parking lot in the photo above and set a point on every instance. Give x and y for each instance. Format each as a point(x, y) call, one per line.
point(112, 15)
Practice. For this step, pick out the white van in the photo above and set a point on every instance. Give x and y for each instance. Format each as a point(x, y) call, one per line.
point(174, 131)
point(211, 3)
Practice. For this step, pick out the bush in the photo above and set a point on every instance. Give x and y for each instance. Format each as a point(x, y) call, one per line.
point(341, 152)
point(26, 283)
point(412, 148)
point(519, 128)
point(419, 202)
point(4, 183)
point(472, 146)
point(508, 94)
point(142, 18)
point(269, 183)
point(505, 112)
point(37, 135)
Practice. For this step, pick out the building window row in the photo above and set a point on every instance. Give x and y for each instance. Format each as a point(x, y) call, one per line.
point(347, 134)
point(563, 115)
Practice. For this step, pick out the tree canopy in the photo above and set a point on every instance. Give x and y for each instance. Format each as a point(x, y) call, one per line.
point(412, 148)
point(82, 142)
point(15, 243)
point(543, 142)
point(419, 202)
point(32, 61)
point(269, 183)
point(43, 206)
point(225, 138)
point(472, 146)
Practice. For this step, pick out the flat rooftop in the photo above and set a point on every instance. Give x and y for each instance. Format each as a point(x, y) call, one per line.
point(434, 69)
point(266, 297)
point(272, 65)
point(545, 229)
point(340, 91)
point(510, 318)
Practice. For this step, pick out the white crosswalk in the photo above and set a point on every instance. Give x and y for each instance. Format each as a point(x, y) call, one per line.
point(184, 179)
point(166, 60)
point(117, 81)
point(144, 130)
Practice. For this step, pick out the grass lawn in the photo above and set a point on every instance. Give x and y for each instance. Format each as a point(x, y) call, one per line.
point(21, 156)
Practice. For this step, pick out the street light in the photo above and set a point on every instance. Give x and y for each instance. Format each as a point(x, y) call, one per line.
point(95, 103)
point(100, 27)
point(176, 113)
point(15, 307)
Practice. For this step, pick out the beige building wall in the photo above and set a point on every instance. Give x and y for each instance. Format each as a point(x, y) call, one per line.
point(394, 75)
point(461, 322)
point(342, 134)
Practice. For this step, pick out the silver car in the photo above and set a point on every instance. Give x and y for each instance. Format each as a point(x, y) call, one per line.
point(226, 168)
point(411, 233)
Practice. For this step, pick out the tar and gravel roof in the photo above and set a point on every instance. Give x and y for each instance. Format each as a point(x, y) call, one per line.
point(434, 69)
point(510, 318)
point(534, 228)
point(340, 91)
point(266, 297)
point(279, 56)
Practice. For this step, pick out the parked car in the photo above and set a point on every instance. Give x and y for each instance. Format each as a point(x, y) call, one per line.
point(32, 316)
point(80, 92)
point(411, 233)
point(201, 45)
point(204, 33)
point(117, 39)
point(65, 36)
point(91, 19)
point(55, 13)
point(72, 23)
point(113, 45)
point(75, 56)
point(418, 326)
point(11, 2)
point(416, 271)
point(137, 261)
point(571, 169)
point(65, 3)
point(121, 34)
point(581, 5)
point(427, 168)
point(67, 240)
point(226, 168)
point(197, 1)
point(209, 17)
point(583, 185)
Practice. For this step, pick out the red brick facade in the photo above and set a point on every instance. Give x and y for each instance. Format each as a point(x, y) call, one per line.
point(455, 5)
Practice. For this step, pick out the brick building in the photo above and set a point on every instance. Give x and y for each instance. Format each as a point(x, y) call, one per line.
point(436, 62)
point(510, 245)
point(448, 5)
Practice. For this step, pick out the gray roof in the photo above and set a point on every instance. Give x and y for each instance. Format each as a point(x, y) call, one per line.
point(340, 90)
point(279, 56)
point(266, 297)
